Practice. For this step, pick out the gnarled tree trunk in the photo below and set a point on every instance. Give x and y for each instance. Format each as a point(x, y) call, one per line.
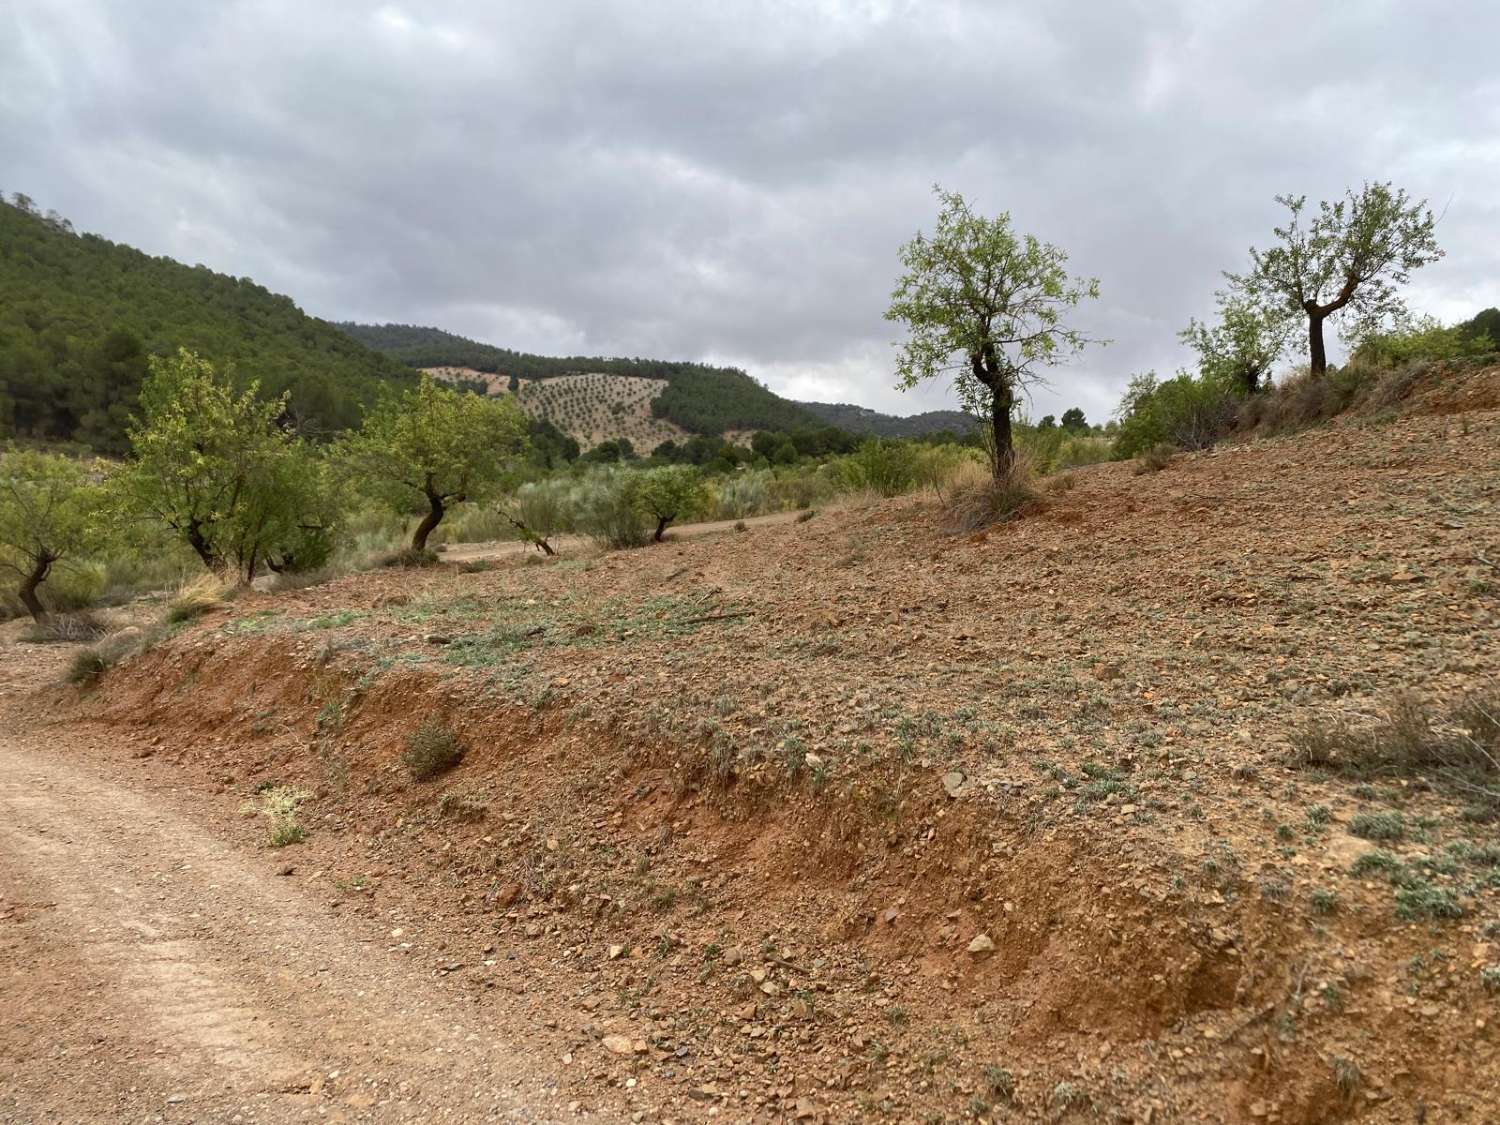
point(434, 516)
point(987, 369)
point(30, 582)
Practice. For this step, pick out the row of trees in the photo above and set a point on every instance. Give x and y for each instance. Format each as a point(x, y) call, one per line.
point(989, 307)
point(215, 467)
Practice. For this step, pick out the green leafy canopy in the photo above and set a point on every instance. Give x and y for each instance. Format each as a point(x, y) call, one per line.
point(435, 443)
point(1349, 257)
point(976, 286)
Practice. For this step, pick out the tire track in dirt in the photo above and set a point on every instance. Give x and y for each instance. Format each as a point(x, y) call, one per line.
point(219, 986)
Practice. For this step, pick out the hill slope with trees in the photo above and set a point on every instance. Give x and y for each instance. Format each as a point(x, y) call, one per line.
point(80, 316)
point(862, 421)
point(700, 398)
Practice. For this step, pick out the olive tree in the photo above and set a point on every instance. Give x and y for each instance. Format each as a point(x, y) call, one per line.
point(1348, 258)
point(436, 447)
point(210, 463)
point(984, 305)
point(48, 507)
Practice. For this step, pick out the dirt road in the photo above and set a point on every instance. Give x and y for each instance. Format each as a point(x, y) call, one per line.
point(150, 971)
point(469, 552)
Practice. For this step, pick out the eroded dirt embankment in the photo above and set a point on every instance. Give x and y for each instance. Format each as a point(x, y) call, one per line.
point(878, 942)
point(842, 818)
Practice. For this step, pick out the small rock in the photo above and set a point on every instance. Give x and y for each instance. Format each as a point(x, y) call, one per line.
point(615, 951)
point(953, 782)
point(438, 639)
point(618, 1044)
point(981, 945)
point(285, 869)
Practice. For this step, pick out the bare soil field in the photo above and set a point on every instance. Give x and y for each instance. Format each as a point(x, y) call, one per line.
point(832, 820)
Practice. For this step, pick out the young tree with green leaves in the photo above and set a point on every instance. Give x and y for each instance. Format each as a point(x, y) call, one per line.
point(436, 447)
point(209, 462)
point(985, 305)
point(1348, 258)
point(49, 506)
point(1242, 347)
point(668, 493)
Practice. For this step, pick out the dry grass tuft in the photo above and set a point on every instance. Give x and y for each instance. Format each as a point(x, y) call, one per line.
point(82, 627)
point(1459, 746)
point(1155, 459)
point(974, 507)
point(198, 596)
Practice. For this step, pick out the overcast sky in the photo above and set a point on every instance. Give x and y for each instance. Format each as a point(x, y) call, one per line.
point(730, 181)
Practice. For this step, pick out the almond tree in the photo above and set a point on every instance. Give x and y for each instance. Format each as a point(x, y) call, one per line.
point(48, 504)
point(435, 447)
point(984, 305)
point(209, 462)
point(1243, 346)
point(1350, 257)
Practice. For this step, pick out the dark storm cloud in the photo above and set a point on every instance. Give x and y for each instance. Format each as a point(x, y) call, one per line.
point(730, 181)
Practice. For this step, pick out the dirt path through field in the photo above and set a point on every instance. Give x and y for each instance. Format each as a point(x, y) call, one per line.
point(469, 552)
point(146, 967)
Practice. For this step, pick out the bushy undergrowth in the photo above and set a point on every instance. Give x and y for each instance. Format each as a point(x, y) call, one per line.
point(1195, 411)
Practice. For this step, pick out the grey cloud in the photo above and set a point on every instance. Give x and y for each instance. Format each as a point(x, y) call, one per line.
point(731, 181)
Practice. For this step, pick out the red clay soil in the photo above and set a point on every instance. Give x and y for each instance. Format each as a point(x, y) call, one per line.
point(827, 820)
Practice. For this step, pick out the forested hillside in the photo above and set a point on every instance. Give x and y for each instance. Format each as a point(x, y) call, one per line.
point(79, 315)
point(863, 421)
point(700, 398)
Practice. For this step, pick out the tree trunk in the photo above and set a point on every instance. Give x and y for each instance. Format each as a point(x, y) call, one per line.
point(1004, 451)
point(987, 368)
point(661, 527)
point(433, 517)
point(202, 548)
point(1319, 358)
point(27, 592)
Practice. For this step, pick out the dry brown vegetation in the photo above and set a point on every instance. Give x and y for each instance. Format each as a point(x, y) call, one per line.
point(1110, 810)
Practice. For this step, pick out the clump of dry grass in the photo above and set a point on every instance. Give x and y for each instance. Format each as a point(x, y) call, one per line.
point(974, 506)
point(197, 596)
point(1155, 459)
point(83, 627)
point(1458, 746)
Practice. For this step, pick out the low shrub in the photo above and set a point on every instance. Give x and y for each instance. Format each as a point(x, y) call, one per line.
point(431, 749)
point(87, 667)
point(888, 467)
point(604, 508)
point(1185, 412)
